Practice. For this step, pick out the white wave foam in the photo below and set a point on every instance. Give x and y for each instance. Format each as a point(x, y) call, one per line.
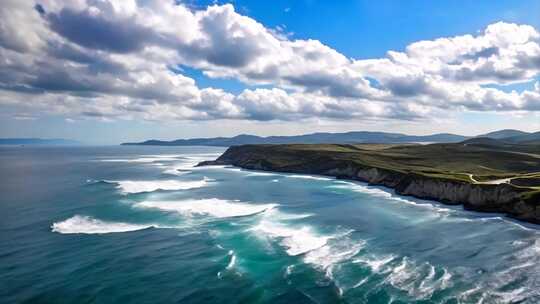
point(386, 195)
point(143, 159)
point(531, 250)
point(333, 253)
point(288, 271)
point(209, 207)
point(278, 216)
point(404, 275)
point(178, 170)
point(420, 281)
point(89, 225)
point(309, 177)
point(192, 158)
point(232, 262)
point(376, 263)
point(230, 266)
point(360, 283)
point(513, 296)
point(181, 168)
point(295, 240)
point(323, 251)
point(359, 188)
point(523, 226)
point(467, 296)
point(128, 186)
point(188, 164)
point(481, 295)
point(260, 173)
point(205, 156)
point(230, 168)
point(206, 167)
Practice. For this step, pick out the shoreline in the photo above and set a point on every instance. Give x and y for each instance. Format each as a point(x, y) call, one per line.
point(501, 199)
point(482, 215)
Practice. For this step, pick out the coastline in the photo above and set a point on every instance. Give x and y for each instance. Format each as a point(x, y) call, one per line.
point(492, 198)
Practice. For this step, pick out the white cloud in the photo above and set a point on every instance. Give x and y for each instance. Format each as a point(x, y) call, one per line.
point(119, 60)
point(21, 27)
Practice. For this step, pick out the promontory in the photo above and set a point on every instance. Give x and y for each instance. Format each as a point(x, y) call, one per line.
point(481, 174)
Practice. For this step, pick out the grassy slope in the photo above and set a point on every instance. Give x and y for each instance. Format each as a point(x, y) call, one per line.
point(446, 161)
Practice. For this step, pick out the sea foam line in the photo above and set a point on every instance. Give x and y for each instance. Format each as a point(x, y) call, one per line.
point(386, 195)
point(313, 177)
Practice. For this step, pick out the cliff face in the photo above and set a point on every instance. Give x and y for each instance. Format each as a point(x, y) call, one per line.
point(502, 198)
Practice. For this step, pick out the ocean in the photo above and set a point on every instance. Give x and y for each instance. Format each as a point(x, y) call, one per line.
point(136, 224)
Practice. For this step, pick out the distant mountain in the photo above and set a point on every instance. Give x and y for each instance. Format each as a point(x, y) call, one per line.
point(37, 141)
point(314, 138)
point(527, 138)
point(504, 134)
point(437, 138)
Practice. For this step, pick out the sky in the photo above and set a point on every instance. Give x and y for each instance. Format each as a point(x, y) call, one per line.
point(110, 71)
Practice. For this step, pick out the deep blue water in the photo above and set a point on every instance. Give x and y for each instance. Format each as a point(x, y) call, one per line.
point(141, 225)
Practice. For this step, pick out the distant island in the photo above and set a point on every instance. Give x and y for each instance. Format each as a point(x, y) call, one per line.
point(38, 141)
point(482, 174)
point(513, 136)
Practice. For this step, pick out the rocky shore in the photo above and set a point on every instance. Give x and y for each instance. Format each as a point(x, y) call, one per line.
point(502, 198)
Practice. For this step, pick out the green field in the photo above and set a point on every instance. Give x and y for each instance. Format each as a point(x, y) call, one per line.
point(517, 165)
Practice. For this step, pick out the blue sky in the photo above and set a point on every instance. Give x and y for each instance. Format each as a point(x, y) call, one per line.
point(368, 29)
point(192, 86)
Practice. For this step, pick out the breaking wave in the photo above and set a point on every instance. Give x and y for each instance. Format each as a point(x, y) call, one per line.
point(181, 168)
point(187, 164)
point(295, 241)
point(322, 250)
point(128, 186)
point(335, 251)
point(89, 225)
point(377, 264)
point(419, 280)
point(208, 207)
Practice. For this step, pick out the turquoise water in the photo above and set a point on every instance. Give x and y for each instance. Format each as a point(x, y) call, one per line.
point(141, 225)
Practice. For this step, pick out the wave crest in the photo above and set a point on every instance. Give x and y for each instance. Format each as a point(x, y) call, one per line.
point(88, 225)
point(208, 207)
point(128, 186)
point(296, 241)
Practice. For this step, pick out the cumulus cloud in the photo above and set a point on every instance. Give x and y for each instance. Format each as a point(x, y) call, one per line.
point(90, 29)
point(119, 59)
point(21, 28)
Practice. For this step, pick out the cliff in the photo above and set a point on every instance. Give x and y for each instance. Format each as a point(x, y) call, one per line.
point(516, 202)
